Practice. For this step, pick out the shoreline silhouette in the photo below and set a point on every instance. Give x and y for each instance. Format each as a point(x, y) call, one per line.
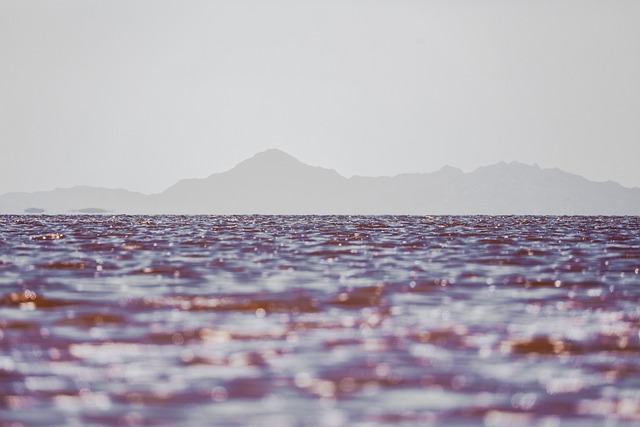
point(274, 182)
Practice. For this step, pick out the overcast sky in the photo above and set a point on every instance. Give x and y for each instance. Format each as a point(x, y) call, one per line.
point(139, 94)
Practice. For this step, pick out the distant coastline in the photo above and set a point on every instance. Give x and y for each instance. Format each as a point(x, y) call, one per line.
point(273, 182)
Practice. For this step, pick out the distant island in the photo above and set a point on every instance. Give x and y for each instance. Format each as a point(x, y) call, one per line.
point(34, 210)
point(273, 182)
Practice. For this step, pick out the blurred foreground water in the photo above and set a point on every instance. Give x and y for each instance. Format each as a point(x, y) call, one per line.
point(319, 320)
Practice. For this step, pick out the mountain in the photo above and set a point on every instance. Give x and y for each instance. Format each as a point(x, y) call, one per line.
point(270, 182)
point(273, 182)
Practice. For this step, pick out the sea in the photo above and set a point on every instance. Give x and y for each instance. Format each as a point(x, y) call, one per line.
point(319, 320)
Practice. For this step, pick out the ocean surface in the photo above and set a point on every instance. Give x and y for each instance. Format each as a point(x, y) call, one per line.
point(319, 320)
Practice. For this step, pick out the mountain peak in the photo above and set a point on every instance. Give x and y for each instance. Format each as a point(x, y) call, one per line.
point(272, 157)
point(272, 154)
point(276, 163)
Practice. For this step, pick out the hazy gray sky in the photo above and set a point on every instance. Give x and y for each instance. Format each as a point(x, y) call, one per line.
point(140, 94)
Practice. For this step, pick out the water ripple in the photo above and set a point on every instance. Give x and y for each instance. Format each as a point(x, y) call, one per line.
point(319, 320)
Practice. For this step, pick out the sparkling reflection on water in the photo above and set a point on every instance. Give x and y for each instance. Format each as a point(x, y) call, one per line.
point(319, 320)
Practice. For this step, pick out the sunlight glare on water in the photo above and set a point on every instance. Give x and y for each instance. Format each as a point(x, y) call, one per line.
point(319, 320)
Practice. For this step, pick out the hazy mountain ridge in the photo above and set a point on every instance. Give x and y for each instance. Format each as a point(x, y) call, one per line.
point(273, 182)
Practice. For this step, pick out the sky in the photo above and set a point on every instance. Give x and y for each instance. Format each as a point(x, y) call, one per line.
point(139, 94)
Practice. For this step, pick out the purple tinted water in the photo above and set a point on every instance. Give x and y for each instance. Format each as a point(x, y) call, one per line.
point(319, 320)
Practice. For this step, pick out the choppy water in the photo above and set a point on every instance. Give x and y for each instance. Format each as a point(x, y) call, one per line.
point(328, 321)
